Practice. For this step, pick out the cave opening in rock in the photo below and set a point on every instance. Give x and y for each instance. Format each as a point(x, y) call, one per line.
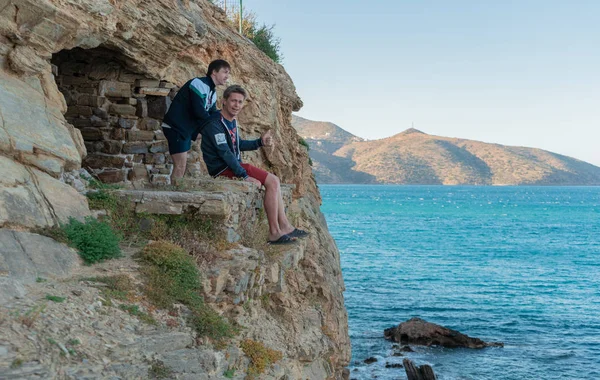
point(119, 111)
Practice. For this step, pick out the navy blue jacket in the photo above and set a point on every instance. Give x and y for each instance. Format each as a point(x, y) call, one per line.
point(193, 106)
point(217, 148)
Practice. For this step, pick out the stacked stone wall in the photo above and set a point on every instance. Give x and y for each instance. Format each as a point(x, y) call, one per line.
point(119, 113)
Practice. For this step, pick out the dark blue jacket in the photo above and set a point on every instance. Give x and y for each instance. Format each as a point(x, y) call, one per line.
point(217, 148)
point(192, 107)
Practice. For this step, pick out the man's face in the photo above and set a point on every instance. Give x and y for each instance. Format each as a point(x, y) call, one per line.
point(233, 104)
point(221, 76)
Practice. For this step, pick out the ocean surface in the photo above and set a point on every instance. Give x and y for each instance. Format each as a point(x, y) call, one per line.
point(519, 265)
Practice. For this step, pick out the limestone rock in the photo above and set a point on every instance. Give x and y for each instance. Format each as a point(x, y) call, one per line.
point(25, 256)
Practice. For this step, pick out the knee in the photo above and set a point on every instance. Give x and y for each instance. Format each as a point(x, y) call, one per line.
point(272, 181)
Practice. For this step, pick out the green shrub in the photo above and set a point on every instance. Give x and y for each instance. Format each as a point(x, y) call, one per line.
point(96, 241)
point(172, 277)
point(303, 142)
point(262, 36)
point(55, 298)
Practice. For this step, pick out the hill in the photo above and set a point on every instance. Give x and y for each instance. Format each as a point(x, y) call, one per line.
point(414, 157)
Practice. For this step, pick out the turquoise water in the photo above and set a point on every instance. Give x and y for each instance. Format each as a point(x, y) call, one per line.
point(520, 265)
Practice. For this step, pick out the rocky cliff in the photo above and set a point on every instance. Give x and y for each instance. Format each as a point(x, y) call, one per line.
point(86, 83)
point(414, 157)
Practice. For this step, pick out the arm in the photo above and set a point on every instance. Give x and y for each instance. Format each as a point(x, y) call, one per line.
point(250, 144)
point(218, 139)
point(198, 93)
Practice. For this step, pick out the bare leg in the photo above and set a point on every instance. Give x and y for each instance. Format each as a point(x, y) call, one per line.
point(284, 224)
point(271, 202)
point(179, 164)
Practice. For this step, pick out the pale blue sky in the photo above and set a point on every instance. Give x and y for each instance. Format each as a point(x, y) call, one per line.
point(523, 73)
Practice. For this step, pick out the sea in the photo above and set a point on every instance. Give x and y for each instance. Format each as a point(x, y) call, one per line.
point(518, 265)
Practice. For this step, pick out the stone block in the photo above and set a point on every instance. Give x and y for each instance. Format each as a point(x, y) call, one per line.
point(140, 135)
point(101, 113)
point(129, 77)
point(147, 83)
point(158, 107)
point(111, 147)
point(156, 207)
point(160, 179)
point(99, 122)
point(165, 84)
point(149, 124)
point(159, 147)
point(132, 101)
point(135, 147)
point(99, 71)
point(155, 158)
point(79, 111)
point(159, 135)
point(138, 173)
point(142, 108)
point(99, 161)
point(139, 158)
point(154, 91)
point(90, 91)
point(81, 123)
point(90, 100)
point(114, 89)
point(91, 134)
point(122, 109)
point(127, 123)
point(112, 176)
point(215, 207)
point(118, 134)
point(93, 147)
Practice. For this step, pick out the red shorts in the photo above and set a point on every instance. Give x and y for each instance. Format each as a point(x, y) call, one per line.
point(252, 171)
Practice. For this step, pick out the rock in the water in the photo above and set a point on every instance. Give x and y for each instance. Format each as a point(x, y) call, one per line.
point(393, 365)
point(370, 360)
point(421, 332)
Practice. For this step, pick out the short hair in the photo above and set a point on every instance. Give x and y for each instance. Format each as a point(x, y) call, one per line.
point(234, 89)
point(217, 65)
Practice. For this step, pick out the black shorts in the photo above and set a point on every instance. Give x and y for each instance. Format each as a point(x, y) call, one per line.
point(177, 143)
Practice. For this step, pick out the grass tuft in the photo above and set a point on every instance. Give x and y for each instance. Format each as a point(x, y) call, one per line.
point(55, 298)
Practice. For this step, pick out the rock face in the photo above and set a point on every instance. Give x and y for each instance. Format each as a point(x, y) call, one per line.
point(25, 256)
point(420, 332)
point(85, 83)
point(414, 157)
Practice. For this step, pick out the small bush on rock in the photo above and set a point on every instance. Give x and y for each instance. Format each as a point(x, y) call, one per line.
point(261, 357)
point(96, 241)
point(172, 277)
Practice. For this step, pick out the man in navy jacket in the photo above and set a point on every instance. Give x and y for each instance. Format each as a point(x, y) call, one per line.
point(193, 106)
point(221, 150)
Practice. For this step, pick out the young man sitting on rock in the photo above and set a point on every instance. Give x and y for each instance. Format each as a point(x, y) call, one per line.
point(221, 149)
point(193, 106)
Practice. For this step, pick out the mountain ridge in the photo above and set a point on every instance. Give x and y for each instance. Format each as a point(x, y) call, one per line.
point(415, 157)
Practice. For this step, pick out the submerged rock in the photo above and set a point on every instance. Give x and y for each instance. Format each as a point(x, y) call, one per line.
point(420, 332)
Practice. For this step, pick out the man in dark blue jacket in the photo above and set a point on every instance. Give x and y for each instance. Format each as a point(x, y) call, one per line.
point(193, 106)
point(221, 149)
